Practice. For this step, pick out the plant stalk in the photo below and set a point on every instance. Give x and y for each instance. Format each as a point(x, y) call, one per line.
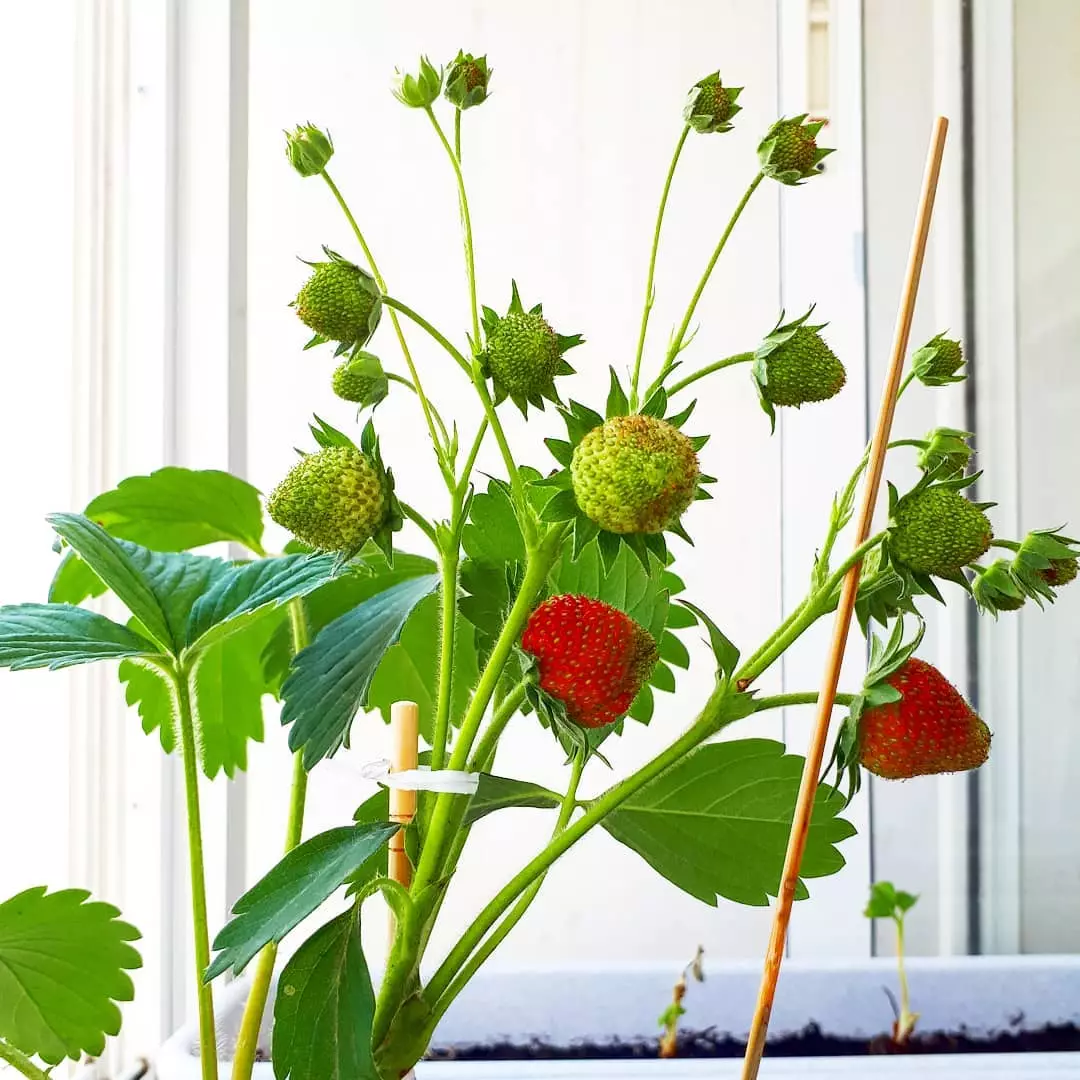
point(728, 361)
point(906, 1021)
point(247, 1041)
point(649, 292)
point(207, 1027)
point(808, 697)
point(485, 749)
point(448, 594)
point(19, 1061)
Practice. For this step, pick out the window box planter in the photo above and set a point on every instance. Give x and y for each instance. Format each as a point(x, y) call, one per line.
point(982, 996)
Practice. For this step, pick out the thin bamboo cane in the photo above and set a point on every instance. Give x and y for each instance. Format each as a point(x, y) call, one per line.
point(800, 824)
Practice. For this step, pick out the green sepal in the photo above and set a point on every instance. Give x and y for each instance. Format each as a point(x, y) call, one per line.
point(710, 106)
point(560, 507)
point(421, 90)
point(945, 453)
point(617, 402)
point(361, 380)
point(770, 150)
point(561, 451)
point(997, 589)
point(328, 436)
point(308, 149)
point(938, 362)
point(463, 70)
point(395, 517)
point(1035, 555)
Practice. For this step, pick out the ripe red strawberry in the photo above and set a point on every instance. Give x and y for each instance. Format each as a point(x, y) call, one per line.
point(592, 657)
point(931, 729)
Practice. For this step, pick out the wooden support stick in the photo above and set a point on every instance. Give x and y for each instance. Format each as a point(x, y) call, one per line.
point(800, 824)
point(405, 733)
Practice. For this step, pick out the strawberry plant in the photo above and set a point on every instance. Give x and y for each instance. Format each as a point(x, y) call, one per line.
point(546, 595)
point(888, 902)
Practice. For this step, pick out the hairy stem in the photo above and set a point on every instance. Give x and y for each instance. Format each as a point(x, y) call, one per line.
point(247, 1042)
point(449, 809)
point(649, 296)
point(466, 221)
point(18, 1060)
point(420, 521)
point(514, 915)
point(457, 135)
point(207, 1029)
point(448, 594)
point(808, 697)
point(728, 361)
point(485, 748)
point(425, 405)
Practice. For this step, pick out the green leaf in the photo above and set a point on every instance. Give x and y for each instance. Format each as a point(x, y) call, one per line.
point(329, 680)
point(247, 592)
point(59, 635)
point(717, 823)
point(727, 655)
point(63, 964)
point(112, 562)
point(74, 581)
point(363, 579)
point(375, 809)
point(617, 405)
point(147, 688)
point(410, 669)
point(325, 1006)
point(175, 509)
point(492, 534)
point(292, 890)
point(501, 792)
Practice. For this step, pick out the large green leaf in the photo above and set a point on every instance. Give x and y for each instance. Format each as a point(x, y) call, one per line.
point(175, 509)
point(112, 562)
point(329, 680)
point(501, 793)
point(410, 669)
point(74, 581)
point(60, 635)
point(240, 596)
point(325, 1006)
point(147, 688)
point(63, 964)
point(362, 579)
point(717, 823)
point(292, 890)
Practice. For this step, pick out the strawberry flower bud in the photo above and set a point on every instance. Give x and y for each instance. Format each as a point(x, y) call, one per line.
point(945, 452)
point(938, 361)
point(308, 149)
point(467, 80)
point(711, 105)
point(418, 91)
point(789, 153)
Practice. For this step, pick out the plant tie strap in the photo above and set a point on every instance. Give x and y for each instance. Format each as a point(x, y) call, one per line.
point(424, 778)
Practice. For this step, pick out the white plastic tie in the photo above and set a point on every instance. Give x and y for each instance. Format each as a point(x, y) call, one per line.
point(422, 779)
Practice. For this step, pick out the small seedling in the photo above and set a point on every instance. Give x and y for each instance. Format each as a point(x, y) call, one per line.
point(669, 1018)
point(887, 902)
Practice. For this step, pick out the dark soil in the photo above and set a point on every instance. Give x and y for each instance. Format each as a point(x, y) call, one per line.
point(810, 1042)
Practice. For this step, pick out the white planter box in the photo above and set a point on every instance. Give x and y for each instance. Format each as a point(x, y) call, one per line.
point(979, 994)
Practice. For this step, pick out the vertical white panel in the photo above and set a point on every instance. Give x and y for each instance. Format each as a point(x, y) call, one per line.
point(822, 264)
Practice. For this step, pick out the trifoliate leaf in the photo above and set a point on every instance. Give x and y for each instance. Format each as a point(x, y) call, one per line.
point(63, 964)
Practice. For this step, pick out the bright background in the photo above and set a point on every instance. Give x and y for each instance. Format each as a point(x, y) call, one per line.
point(152, 229)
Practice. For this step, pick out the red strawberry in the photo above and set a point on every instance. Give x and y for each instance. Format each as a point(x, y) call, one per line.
point(931, 729)
point(592, 657)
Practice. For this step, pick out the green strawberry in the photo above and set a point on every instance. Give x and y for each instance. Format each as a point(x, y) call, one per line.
point(937, 531)
point(634, 474)
point(340, 302)
point(361, 379)
point(467, 80)
point(711, 105)
point(789, 152)
point(1060, 572)
point(938, 361)
point(332, 500)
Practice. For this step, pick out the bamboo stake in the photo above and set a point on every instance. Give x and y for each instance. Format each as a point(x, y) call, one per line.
point(405, 736)
point(800, 824)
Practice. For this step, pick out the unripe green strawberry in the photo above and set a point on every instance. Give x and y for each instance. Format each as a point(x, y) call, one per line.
point(333, 500)
point(467, 80)
point(361, 379)
point(1060, 572)
point(634, 474)
point(523, 353)
point(802, 369)
point(996, 588)
point(789, 152)
point(938, 531)
point(938, 361)
point(340, 302)
point(591, 657)
point(931, 729)
point(711, 105)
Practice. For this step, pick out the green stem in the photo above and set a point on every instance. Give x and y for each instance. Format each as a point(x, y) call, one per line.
point(908, 380)
point(18, 1060)
point(677, 341)
point(466, 223)
point(807, 697)
point(470, 461)
point(485, 748)
point(649, 295)
point(905, 1024)
point(709, 722)
point(728, 361)
point(425, 405)
point(207, 1029)
point(457, 134)
point(449, 808)
point(400, 379)
point(448, 590)
point(473, 372)
point(247, 1042)
point(422, 522)
point(897, 443)
point(514, 916)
